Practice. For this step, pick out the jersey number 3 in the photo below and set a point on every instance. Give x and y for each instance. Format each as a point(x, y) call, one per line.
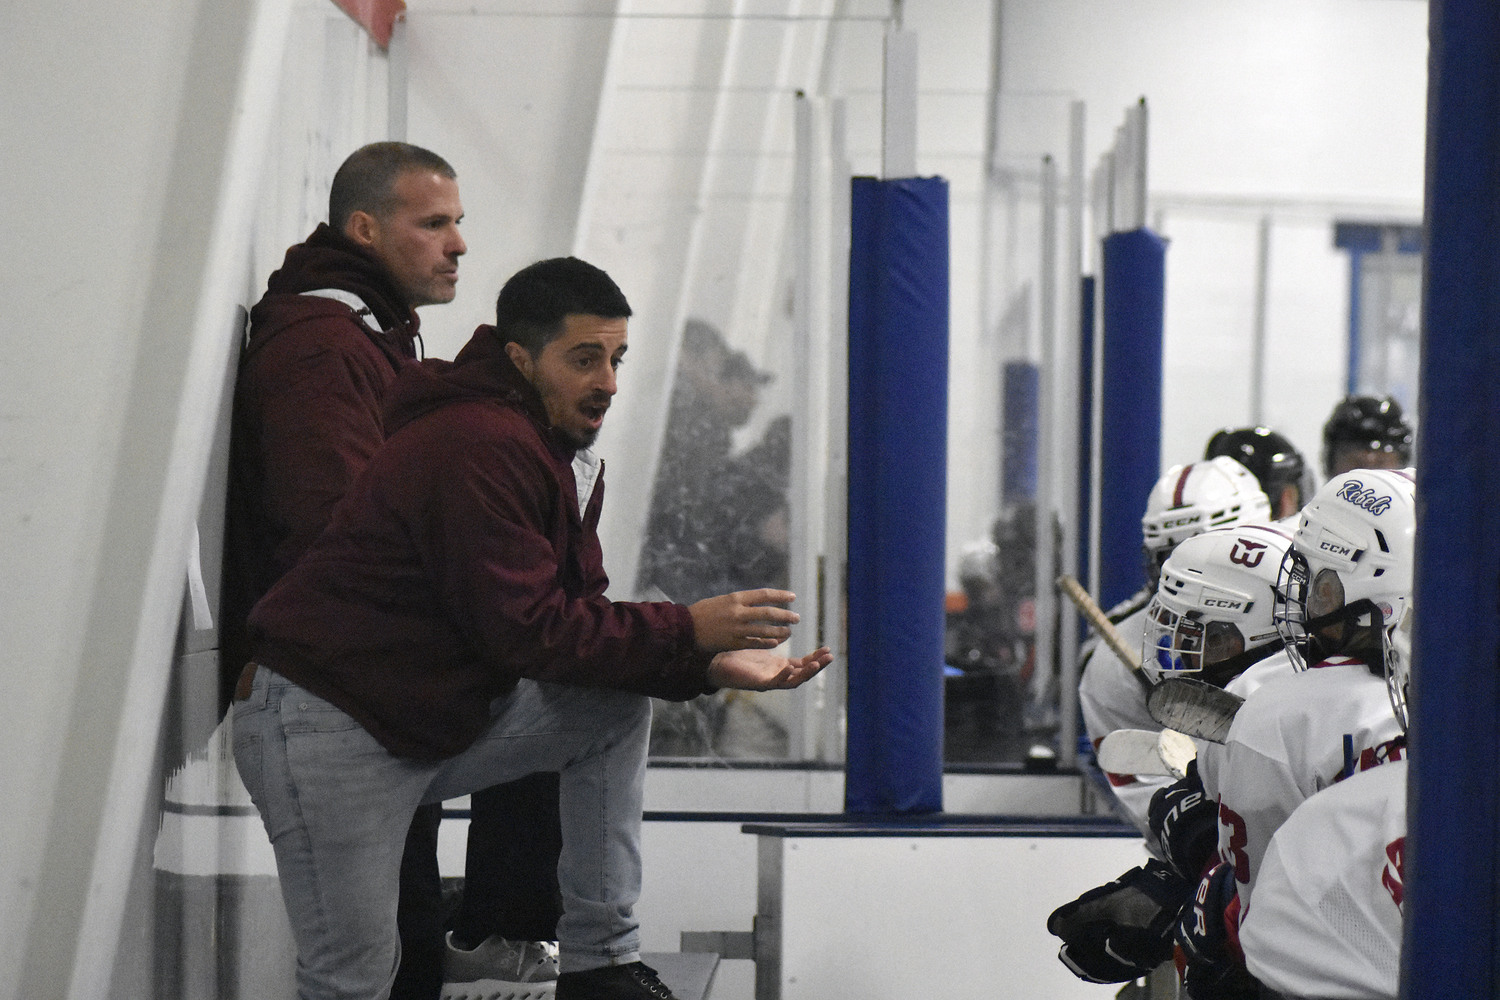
point(1233, 849)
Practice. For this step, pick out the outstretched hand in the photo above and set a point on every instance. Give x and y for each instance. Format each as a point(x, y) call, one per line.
point(763, 670)
point(746, 619)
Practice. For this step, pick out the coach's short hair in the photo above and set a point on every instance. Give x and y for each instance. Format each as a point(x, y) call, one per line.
point(537, 299)
point(366, 181)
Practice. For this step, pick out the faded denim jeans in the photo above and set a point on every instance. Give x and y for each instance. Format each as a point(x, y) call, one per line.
point(337, 805)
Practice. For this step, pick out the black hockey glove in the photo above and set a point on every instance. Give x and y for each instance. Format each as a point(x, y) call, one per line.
point(1208, 936)
point(1121, 930)
point(1185, 822)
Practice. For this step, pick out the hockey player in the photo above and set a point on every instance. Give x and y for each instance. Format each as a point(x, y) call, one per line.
point(1211, 618)
point(1345, 576)
point(1187, 501)
point(1344, 581)
point(1366, 432)
point(1273, 460)
point(1328, 902)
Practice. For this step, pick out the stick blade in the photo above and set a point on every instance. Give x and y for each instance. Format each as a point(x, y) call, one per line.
point(1194, 707)
point(1130, 751)
point(1146, 752)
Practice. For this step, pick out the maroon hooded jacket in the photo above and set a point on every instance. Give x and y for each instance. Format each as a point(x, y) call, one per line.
point(308, 415)
point(460, 562)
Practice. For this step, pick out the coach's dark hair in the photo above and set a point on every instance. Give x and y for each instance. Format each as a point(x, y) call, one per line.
point(366, 181)
point(535, 301)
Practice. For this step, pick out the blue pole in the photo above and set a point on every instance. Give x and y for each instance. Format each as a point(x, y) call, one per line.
point(1356, 319)
point(1454, 793)
point(1022, 395)
point(898, 460)
point(1130, 439)
point(1085, 421)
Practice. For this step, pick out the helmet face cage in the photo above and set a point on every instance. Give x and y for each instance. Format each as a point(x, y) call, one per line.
point(1179, 645)
point(1290, 616)
point(1316, 622)
point(1211, 615)
point(1348, 573)
point(1398, 667)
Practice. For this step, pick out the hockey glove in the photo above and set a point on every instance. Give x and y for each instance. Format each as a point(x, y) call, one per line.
point(1185, 821)
point(1121, 930)
point(1208, 934)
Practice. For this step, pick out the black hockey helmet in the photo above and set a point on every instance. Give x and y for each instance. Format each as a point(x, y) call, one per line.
point(1368, 423)
point(1269, 456)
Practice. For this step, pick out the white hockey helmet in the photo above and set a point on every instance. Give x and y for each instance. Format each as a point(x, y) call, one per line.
point(1398, 665)
point(1212, 615)
point(1191, 499)
point(1348, 573)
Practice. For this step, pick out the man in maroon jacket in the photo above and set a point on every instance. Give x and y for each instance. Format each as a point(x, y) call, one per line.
point(450, 629)
point(336, 324)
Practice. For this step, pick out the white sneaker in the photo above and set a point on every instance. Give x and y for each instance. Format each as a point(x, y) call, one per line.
point(500, 970)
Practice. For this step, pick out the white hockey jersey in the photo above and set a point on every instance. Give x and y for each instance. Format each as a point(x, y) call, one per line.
point(1326, 920)
point(1294, 736)
point(1275, 665)
point(1113, 696)
point(1247, 682)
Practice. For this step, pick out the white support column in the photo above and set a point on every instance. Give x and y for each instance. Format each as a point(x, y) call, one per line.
point(829, 689)
point(802, 549)
point(1048, 456)
point(898, 151)
point(1136, 121)
point(397, 64)
point(1069, 360)
point(1258, 335)
point(1103, 225)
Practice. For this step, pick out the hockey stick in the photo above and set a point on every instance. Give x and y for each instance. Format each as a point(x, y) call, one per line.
point(1101, 623)
point(1195, 707)
point(1146, 752)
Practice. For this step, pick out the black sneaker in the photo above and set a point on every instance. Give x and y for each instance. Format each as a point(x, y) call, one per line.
point(636, 981)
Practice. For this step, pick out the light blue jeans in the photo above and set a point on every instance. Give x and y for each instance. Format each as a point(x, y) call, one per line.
point(337, 805)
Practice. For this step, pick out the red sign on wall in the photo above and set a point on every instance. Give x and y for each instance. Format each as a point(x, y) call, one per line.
point(376, 16)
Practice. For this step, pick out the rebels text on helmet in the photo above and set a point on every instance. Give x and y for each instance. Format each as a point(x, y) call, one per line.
point(1355, 492)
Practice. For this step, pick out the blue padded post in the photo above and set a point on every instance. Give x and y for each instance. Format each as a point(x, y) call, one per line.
point(1134, 291)
point(1021, 396)
point(1085, 420)
point(1453, 838)
point(898, 442)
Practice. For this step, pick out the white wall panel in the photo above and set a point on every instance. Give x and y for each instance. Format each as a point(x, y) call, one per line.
point(1301, 111)
point(130, 166)
point(889, 917)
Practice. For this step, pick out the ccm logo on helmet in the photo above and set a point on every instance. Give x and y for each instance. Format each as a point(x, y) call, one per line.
point(1182, 522)
point(1337, 549)
point(1217, 602)
point(1354, 492)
